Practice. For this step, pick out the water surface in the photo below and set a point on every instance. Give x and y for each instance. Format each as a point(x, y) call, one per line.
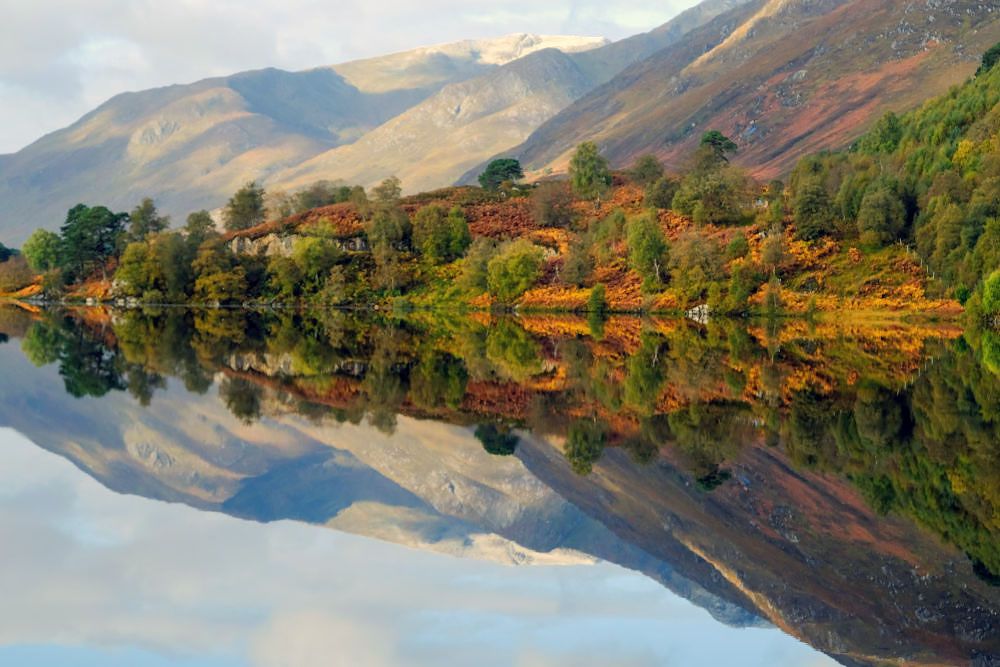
point(468, 490)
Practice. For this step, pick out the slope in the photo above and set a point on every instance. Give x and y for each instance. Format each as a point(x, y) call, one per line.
point(190, 146)
point(451, 132)
point(783, 77)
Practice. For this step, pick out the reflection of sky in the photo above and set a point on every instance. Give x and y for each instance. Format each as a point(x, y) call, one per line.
point(94, 578)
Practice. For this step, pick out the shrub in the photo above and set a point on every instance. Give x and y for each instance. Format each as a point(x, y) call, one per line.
point(514, 270)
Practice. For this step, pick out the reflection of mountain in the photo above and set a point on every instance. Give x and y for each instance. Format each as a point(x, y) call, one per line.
point(798, 548)
point(429, 486)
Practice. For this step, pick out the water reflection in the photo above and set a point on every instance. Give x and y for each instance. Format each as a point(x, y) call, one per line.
point(841, 483)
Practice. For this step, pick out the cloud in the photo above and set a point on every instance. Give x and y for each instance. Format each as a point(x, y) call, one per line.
point(61, 58)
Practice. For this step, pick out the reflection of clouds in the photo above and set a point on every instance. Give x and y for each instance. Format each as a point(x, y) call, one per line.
point(318, 639)
point(84, 566)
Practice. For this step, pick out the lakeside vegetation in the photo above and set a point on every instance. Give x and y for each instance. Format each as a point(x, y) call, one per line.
point(915, 437)
point(907, 220)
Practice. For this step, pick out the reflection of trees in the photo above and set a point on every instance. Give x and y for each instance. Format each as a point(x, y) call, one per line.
point(928, 450)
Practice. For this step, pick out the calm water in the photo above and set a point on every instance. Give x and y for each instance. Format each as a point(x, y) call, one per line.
point(233, 488)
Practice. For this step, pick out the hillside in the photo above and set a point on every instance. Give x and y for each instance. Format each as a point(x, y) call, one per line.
point(784, 77)
point(190, 146)
point(437, 141)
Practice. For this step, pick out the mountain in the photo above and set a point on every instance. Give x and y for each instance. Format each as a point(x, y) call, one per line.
point(190, 146)
point(428, 486)
point(784, 78)
point(437, 141)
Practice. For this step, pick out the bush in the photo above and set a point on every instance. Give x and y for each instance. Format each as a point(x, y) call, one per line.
point(499, 171)
point(991, 296)
point(646, 171)
point(15, 274)
point(514, 270)
point(660, 193)
point(552, 205)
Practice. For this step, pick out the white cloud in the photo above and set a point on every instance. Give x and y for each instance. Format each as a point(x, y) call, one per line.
point(60, 58)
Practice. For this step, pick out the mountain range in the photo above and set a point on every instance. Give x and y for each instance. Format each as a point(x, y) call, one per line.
point(782, 77)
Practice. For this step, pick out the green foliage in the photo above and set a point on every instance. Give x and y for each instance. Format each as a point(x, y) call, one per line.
point(884, 137)
point(499, 171)
point(930, 176)
point(439, 380)
point(695, 262)
point(90, 237)
point(42, 250)
point(199, 228)
point(552, 204)
point(585, 443)
point(738, 247)
point(588, 172)
point(717, 195)
point(438, 237)
point(991, 295)
point(245, 208)
point(812, 209)
point(219, 278)
point(990, 59)
point(597, 302)
point(496, 440)
point(718, 145)
point(882, 215)
point(578, 263)
point(145, 220)
point(514, 270)
point(660, 193)
point(648, 251)
point(475, 266)
point(646, 171)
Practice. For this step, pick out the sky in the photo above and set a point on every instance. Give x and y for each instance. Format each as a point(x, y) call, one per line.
point(91, 577)
point(61, 58)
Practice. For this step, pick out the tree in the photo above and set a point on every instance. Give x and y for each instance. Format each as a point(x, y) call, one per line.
point(991, 295)
point(990, 58)
point(245, 208)
point(597, 302)
point(90, 237)
point(440, 238)
point(552, 205)
point(199, 228)
point(145, 220)
point(646, 170)
point(647, 249)
point(882, 215)
point(584, 445)
point(514, 270)
point(695, 263)
point(475, 265)
point(498, 441)
point(660, 193)
point(812, 209)
point(218, 277)
point(15, 274)
point(42, 250)
point(717, 146)
point(588, 172)
point(500, 170)
point(577, 264)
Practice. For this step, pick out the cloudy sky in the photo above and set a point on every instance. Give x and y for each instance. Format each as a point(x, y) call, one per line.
point(60, 58)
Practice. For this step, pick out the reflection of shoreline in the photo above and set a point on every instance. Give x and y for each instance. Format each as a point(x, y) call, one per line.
point(701, 405)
